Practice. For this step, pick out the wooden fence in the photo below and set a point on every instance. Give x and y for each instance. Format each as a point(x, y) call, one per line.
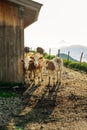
point(59, 52)
point(68, 55)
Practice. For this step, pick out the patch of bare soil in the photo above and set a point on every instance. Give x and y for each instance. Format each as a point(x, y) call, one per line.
point(61, 107)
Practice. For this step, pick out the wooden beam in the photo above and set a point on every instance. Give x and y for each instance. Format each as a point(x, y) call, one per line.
point(27, 3)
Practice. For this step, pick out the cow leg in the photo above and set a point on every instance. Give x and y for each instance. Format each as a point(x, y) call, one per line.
point(60, 78)
point(54, 78)
point(40, 77)
point(34, 76)
point(30, 73)
point(49, 81)
point(57, 78)
point(53, 81)
point(49, 78)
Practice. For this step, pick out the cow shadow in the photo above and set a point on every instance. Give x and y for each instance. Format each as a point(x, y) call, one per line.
point(41, 110)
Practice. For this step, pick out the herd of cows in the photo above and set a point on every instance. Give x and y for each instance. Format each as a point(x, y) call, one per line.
point(35, 66)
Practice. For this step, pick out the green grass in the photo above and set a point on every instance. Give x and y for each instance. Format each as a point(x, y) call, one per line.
point(10, 84)
point(5, 94)
point(19, 128)
point(76, 65)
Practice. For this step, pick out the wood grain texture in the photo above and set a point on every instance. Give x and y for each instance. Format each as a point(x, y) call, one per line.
point(8, 14)
point(11, 44)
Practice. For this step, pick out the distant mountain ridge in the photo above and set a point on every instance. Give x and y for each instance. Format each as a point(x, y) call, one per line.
point(75, 51)
point(65, 56)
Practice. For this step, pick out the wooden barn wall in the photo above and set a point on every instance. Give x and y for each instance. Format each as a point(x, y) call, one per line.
point(11, 44)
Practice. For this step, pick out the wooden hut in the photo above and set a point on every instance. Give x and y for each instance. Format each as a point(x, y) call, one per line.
point(15, 15)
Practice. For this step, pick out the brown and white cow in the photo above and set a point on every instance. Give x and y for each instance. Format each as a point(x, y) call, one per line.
point(54, 68)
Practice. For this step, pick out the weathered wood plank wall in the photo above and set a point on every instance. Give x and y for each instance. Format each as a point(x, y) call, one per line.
point(11, 44)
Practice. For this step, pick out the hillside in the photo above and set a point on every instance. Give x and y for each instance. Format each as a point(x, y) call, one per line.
point(75, 51)
point(65, 56)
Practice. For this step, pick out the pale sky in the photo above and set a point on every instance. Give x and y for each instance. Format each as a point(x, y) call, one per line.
point(60, 23)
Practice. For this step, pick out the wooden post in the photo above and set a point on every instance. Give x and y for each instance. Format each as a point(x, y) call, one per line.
point(68, 55)
point(11, 43)
point(14, 17)
point(81, 57)
point(58, 52)
point(49, 51)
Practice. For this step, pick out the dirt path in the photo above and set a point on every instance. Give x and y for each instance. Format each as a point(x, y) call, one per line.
point(61, 107)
